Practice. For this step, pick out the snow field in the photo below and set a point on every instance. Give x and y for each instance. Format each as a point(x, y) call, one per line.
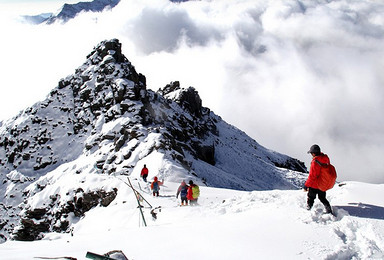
point(227, 224)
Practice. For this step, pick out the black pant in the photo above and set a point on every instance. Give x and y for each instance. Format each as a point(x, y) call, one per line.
point(184, 199)
point(321, 194)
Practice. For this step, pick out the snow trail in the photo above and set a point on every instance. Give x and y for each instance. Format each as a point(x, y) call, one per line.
point(226, 224)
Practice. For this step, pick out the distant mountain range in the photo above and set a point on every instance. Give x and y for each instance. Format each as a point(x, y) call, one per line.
point(70, 11)
point(36, 19)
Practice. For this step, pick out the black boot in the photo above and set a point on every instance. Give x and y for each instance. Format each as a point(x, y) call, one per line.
point(310, 202)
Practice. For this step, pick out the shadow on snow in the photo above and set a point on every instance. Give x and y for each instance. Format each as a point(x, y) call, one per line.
point(363, 210)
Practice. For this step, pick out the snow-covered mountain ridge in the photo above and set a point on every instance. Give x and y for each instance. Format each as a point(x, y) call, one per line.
point(103, 120)
point(70, 11)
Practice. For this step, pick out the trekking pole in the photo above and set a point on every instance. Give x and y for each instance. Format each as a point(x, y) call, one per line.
point(141, 196)
point(138, 202)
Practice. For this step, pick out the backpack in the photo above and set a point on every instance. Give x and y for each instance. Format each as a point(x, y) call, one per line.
point(327, 177)
point(195, 192)
point(184, 191)
point(155, 186)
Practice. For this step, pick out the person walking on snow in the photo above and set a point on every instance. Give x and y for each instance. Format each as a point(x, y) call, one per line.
point(311, 185)
point(193, 193)
point(183, 190)
point(155, 186)
point(144, 173)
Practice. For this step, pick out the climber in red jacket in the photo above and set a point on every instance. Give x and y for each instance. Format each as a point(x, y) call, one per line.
point(144, 173)
point(193, 193)
point(311, 185)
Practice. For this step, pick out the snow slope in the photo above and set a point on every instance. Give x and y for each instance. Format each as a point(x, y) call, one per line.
point(227, 224)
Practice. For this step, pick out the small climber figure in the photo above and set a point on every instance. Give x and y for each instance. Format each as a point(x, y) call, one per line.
point(183, 190)
point(144, 173)
point(155, 186)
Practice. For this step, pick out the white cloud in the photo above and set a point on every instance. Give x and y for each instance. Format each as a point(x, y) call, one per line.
point(288, 73)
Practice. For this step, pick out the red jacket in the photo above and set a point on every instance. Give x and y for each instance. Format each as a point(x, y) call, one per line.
point(144, 171)
point(190, 192)
point(314, 171)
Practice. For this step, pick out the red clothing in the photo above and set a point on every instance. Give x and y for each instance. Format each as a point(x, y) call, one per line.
point(190, 192)
point(314, 171)
point(144, 171)
point(155, 180)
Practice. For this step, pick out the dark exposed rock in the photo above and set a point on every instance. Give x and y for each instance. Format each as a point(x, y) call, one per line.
point(292, 164)
point(191, 101)
point(205, 153)
point(40, 220)
point(36, 213)
point(105, 49)
point(169, 88)
point(30, 230)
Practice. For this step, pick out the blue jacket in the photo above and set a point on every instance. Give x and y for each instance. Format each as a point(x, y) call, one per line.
point(182, 190)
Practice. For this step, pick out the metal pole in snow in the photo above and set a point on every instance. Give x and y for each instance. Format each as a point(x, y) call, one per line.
point(138, 202)
point(141, 196)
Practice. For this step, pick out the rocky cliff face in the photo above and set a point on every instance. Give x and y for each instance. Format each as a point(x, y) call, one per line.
point(106, 87)
point(103, 120)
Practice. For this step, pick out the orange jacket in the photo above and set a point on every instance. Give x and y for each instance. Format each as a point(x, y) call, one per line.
point(314, 171)
point(155, 180)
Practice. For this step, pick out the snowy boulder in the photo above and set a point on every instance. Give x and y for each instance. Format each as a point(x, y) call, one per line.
point(30, 230)
point(58, 216)
point(17, 177)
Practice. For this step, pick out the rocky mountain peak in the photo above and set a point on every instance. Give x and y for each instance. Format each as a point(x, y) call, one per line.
point(102, 120)
point(110, 48)
point(107, 89)
point(187, 98)
point(106, 86)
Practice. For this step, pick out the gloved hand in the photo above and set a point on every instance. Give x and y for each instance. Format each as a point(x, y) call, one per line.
point(305, 188)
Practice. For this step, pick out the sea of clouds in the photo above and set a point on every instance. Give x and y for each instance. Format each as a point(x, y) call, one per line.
point(289, 73)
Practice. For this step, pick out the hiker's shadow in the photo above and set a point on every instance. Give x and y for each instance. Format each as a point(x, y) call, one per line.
point(363, 210)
